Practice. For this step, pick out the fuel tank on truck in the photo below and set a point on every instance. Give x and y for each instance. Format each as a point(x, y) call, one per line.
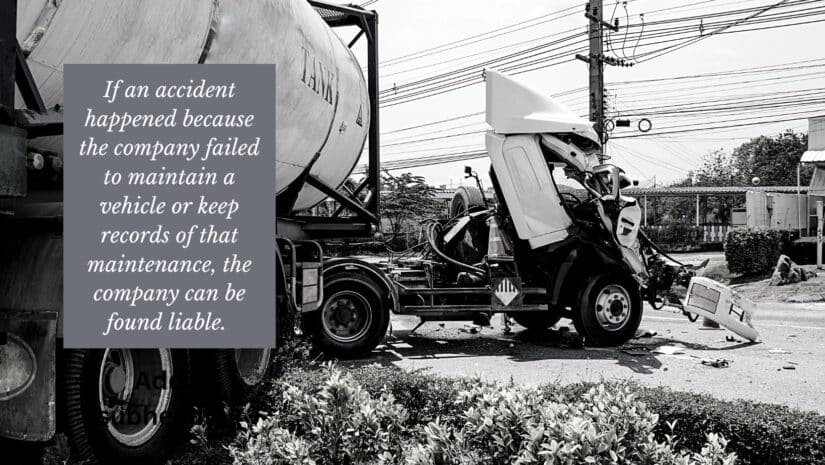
point(322, 100)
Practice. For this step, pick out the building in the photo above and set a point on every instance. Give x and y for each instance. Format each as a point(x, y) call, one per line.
point(816, 155)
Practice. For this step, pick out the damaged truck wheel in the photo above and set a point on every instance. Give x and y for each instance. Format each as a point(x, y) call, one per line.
point(353, 318)
point(610, 310)
point(125, 406)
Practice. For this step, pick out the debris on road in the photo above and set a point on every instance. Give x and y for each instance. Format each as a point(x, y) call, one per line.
point(635, 350)
point(716, 362)
point(669, 350)
point(643, 333)
point(778, 351)
point(715, 301)
point(788, 272)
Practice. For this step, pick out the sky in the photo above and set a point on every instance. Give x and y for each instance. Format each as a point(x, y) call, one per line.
point(406, 27)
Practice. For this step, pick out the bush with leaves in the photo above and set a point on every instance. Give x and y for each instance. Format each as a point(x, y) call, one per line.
point(520, 426)
point(337, 423)
point(752, 250)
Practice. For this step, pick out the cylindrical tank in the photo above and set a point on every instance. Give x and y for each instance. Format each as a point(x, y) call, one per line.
point(322, 100)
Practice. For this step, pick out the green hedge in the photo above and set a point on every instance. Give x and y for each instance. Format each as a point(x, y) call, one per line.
point(756, 250)
point(759, 433)
point(339, 417)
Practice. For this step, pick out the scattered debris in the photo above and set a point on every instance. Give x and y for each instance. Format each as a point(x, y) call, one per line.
point(642, 333)
point(778, 351)
point(788, 272)
point(716, 362)
point(732, 339)
point(669, 350)
point(635, 350)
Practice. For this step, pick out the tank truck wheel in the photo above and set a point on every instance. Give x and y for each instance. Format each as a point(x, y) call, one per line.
point(610, 310)
point(125, 406)
point(464, 199)
point(352, 320)
point(537, 321)
point(230, 375)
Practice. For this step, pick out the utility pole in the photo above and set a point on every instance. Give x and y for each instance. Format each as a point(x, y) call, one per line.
point(596, 60)
point(594, 14)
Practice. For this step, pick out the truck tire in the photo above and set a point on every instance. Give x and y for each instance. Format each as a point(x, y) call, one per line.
point(125, 406)
point(464, 199)
point(352, 320)
point(231, 374)
point(610, 310)
point(537, 321)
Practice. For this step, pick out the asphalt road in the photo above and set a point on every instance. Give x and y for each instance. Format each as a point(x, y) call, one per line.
point(787, 366)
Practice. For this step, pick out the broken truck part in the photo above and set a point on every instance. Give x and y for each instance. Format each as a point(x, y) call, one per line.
point(720, 303)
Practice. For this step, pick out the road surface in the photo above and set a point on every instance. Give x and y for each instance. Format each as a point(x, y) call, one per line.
point(787, 366)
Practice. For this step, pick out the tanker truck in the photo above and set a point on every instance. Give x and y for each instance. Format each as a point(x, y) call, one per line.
point(130, 406)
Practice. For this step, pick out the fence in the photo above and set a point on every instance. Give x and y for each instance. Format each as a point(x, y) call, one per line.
point(686, 237)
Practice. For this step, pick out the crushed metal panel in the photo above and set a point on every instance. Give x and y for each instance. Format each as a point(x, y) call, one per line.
point(30, 416)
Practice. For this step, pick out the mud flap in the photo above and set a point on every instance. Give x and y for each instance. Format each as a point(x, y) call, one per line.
point(717, 302)
point(28, 412)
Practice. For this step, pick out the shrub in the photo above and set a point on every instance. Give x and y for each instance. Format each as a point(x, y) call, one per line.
point(759, 433)
point(754, 250)
point(336, 421)
point(512, 425)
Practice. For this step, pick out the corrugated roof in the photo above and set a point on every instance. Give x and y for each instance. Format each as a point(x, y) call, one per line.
point(711, 190)
point(813, 156)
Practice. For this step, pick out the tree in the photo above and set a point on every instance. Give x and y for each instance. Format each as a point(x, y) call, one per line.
point(772, 159)
point(406, 199)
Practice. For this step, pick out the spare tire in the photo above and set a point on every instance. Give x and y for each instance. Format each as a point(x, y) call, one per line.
point(466, 198)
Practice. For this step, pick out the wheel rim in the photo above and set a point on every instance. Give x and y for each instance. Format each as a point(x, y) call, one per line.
point(252, 364)
point(346, 316)
point(134, 391)
point(613, 306)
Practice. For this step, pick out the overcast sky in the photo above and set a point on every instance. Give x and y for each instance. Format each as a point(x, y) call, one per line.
point(410, 26)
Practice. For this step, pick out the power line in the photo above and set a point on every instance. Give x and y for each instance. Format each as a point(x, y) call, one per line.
point(481, 36)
